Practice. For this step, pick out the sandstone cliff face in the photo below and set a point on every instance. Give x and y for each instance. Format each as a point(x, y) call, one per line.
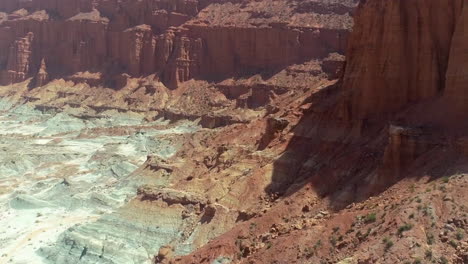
point(42, 77)
point(146, 37)
point(19, 59)
point(406, 67)
point(280, 175)
point(456, 75)
point(400, 56)
point(394, 124)
point(264, 57)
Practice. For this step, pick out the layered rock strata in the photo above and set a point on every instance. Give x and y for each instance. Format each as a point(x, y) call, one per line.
point(289, 158)
point(393, 125)
point(414, 53)
point(116, 37)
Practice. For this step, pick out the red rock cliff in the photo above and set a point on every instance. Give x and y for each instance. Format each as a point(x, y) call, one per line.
point(19, 59)
point(406, 66)
point(178, 40)
point(402, 94)
point(403, 52)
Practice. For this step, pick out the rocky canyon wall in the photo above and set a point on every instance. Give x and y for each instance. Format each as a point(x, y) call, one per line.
point(177, 40)
point(402, 53)
point(406, 71)
point(292, 155)
point(396, 122)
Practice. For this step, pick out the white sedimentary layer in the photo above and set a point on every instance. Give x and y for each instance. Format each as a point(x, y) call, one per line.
point(63, 195)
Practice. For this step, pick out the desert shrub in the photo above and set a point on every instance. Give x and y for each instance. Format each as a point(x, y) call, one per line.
point(430, 238)
point(428, 254)
point(333, 241)
point(387, 243)
point(404, 228)
point(453, 243)
point(370, 218)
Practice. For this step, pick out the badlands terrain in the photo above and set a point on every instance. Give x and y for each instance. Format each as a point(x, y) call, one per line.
point(63, 179)
point(233, 131)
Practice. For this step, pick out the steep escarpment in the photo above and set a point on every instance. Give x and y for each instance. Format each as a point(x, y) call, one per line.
point(293, 160)
point(408, 71)
point(456, 90)
point(370, 171)
point(134, 56)
point(178, 40)
point(241, 72)
point(74, 36)
point(409, 57)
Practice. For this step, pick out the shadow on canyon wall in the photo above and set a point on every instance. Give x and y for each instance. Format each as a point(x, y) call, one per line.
point(326, 154)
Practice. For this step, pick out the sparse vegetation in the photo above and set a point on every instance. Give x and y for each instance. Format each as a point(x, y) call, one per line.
point(334, 240)
point(370, 218)
point(443, 260)
point(318, 245)
point(388, 243)
point(428, 254)
point(459, 235)
point(308, 252)
point(430, 238)
point(417, 261)
point(404, 228)
point(426, 210)
point(453, 243)
point(445, 179)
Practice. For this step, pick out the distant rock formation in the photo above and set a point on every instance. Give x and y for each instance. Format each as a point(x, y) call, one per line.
point(177, 40)
point(19, 60)
point(42, 77)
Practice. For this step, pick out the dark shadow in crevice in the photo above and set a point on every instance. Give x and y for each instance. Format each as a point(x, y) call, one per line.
point(345, 167)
